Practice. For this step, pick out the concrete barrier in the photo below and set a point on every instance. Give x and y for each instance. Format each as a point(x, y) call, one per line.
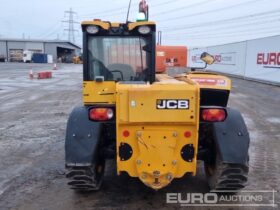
point(44, 75)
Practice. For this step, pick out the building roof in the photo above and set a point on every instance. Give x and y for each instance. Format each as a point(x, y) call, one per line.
point(39, 40)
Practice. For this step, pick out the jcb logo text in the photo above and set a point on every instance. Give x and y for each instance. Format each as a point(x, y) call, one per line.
point(172, 104)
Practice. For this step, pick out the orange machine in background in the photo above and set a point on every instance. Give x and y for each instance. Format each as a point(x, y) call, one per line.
point(170, 56)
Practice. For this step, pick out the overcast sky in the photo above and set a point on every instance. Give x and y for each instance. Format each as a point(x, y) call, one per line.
point(183, 22)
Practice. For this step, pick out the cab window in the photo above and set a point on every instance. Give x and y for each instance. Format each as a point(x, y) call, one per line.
point(117, 58)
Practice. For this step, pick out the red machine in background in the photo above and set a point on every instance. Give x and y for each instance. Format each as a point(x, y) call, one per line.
point(170, 56)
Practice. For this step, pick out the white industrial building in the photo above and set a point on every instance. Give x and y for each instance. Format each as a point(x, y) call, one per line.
point(257, 59)
point(12, 49)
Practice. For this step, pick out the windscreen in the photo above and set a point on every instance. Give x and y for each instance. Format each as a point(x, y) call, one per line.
point(117, 58)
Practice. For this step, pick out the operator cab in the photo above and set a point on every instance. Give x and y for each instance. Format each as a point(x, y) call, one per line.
point(119, 52)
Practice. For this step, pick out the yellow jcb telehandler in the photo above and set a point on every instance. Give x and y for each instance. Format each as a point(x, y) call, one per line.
point(155, 126)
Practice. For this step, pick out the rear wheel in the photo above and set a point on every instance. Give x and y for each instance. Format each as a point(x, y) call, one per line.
point(226, 176)
point(86, 178)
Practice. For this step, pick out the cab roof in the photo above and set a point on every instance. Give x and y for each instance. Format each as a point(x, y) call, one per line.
point(106, 25)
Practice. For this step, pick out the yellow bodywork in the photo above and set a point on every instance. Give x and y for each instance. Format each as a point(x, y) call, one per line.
point(153, 133)
point(156, 136)
point(99, 92)
point(104, 92)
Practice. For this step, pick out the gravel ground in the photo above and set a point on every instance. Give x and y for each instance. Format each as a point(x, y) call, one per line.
point(33, 116)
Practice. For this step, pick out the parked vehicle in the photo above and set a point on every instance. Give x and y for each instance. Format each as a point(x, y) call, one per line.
point(2, 58)
point(27, 56)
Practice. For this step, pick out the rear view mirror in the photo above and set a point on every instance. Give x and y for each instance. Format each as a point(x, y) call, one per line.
point(207, 58)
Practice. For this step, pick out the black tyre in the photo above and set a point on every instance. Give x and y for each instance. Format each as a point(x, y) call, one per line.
point(86, 178)
point(225, 176)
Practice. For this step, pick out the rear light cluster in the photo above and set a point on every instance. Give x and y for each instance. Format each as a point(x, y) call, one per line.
point(101, 114)
point(213, 114)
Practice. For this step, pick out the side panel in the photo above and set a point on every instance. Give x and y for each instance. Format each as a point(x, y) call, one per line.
point(232, 138)
point(82, 138)
point(99, 92)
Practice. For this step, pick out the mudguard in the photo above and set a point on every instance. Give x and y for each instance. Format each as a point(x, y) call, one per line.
point(232, 138)
point(82, 138)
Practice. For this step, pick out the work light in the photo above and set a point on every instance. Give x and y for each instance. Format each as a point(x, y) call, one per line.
point(92, 29)
point(144, 29)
